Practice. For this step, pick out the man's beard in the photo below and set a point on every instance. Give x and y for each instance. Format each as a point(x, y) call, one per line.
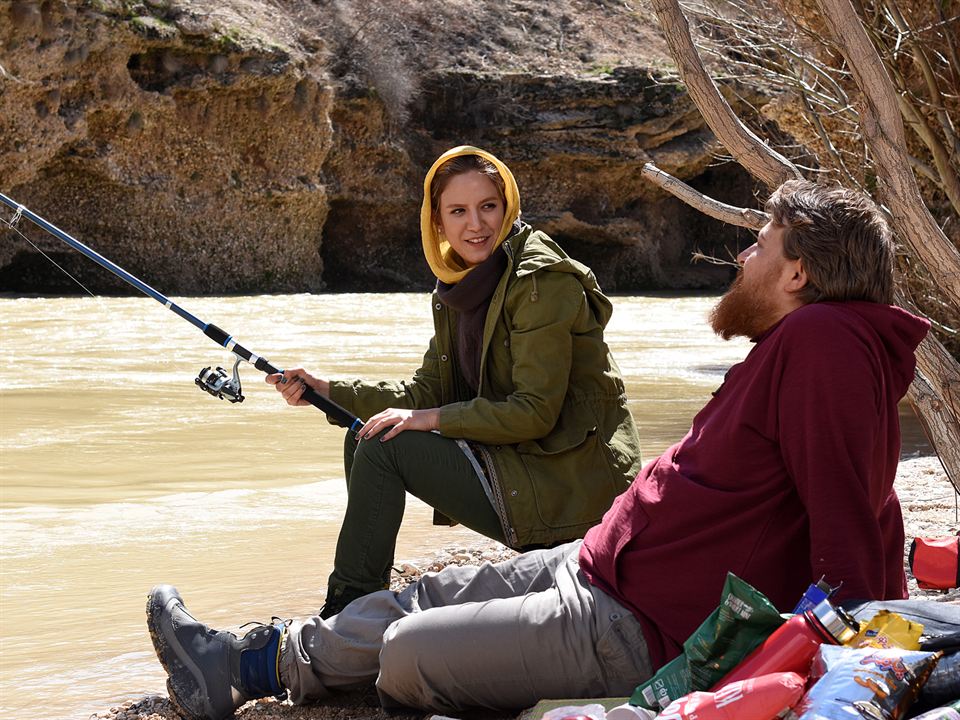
point(744, 310)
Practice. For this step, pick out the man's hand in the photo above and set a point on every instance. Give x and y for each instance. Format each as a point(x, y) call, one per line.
point(399, 420)
point(291, 384)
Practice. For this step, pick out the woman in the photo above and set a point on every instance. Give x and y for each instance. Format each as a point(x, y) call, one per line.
point(521, 428)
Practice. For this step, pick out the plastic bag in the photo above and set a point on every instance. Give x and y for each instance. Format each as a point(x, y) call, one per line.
point(760, 698)
point(630, 712)
point(743, 620)
point(873, 683)
point(593, 711)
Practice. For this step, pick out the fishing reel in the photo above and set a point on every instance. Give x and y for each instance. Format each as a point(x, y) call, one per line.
point(219, 384)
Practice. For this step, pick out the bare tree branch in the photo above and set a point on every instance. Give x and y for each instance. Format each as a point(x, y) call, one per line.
point(742, 217)
point(953, 58)
point(750, 151)
point(883, 131)
point(814, 118)
point(929, 76)
point(948, 179)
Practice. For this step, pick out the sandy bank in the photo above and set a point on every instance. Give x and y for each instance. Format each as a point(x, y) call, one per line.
point(929, 509)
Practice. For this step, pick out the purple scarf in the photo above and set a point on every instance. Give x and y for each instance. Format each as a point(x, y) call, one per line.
point(470, 299)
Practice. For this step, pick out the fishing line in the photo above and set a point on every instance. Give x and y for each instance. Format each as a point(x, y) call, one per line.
point(12, 226)
point(214, 381)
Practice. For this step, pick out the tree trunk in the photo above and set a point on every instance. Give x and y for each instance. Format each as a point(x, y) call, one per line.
point(933, 393)
point(883, 130)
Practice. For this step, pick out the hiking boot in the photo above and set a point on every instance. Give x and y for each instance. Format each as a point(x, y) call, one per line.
point(338, 597)
point(211, 673)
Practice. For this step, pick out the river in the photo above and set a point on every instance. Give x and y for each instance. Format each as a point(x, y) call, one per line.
point(117, 473)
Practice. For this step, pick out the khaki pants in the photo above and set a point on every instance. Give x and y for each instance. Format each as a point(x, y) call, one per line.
point(496, 636)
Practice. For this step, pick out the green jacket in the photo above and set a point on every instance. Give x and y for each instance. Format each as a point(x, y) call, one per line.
point(550, 420)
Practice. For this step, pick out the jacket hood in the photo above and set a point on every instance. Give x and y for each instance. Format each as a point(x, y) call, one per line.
point(531, 251)
point(441, 258)
point(900, 332)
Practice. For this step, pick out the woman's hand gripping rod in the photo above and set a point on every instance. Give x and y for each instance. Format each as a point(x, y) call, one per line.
point(212, 381)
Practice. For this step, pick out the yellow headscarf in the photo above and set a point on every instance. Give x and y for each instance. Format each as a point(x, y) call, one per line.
point(440, 256)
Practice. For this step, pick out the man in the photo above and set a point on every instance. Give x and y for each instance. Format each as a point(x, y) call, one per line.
point(785, 476)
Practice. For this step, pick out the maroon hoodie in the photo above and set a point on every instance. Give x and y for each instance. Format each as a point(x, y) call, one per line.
point(785, 476)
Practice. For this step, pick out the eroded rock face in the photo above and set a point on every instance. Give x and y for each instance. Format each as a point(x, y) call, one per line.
point(245, 146)
point(180, 154)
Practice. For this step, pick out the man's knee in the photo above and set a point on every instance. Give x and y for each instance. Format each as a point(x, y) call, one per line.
point(406, 644)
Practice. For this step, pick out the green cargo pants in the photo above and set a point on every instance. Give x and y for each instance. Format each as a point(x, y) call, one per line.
point(379, 474)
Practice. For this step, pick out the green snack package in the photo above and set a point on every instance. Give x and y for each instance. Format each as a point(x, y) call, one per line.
point(668, 683)
point(743, 620)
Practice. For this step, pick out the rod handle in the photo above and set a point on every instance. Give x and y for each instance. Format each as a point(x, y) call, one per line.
point(338, 415)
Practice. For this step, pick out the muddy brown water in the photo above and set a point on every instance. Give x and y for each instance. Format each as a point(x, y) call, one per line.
point(117, 473)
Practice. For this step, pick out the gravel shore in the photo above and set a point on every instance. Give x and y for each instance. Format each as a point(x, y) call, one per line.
point(929, 510)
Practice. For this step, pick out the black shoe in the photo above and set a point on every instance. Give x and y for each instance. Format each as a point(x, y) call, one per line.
point(338, 597)
point(211, 673)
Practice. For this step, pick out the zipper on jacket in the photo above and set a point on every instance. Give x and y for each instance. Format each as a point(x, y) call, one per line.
point(500, 506)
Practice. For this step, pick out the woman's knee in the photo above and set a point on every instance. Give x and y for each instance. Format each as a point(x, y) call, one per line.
point(371, 451)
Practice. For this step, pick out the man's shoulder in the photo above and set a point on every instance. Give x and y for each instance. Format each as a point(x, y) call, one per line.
point(826, 333)
point(826, 319)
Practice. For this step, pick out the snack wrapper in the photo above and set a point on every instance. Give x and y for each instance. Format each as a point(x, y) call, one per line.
point(888, 630)
point(873, 683)
point(744, 619)
point(760, 698)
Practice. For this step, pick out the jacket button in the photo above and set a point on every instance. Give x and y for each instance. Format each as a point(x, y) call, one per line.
point(513, 493)
point(506, 343)
point(443, 358)
point(437, 306)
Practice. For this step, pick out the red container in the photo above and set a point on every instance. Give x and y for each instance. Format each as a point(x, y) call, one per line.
point(791, 647)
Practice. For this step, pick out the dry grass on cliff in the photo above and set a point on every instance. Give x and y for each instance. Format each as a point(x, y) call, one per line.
point(389, 45)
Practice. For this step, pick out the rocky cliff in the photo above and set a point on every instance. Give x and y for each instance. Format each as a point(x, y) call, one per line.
point(258, 146)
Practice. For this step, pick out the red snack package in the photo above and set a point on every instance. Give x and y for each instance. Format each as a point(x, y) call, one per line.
point(759, 698)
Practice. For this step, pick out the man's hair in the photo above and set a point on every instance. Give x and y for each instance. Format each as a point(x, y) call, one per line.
point(458, 166)
point(840, 236)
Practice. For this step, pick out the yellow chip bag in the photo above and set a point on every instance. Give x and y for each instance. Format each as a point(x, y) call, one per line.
point(887, 630)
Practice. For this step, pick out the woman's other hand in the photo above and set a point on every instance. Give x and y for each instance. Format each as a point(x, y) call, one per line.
point(291, 384)
point(399, 420)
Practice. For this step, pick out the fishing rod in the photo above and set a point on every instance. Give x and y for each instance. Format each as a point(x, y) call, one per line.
point(214, 381)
